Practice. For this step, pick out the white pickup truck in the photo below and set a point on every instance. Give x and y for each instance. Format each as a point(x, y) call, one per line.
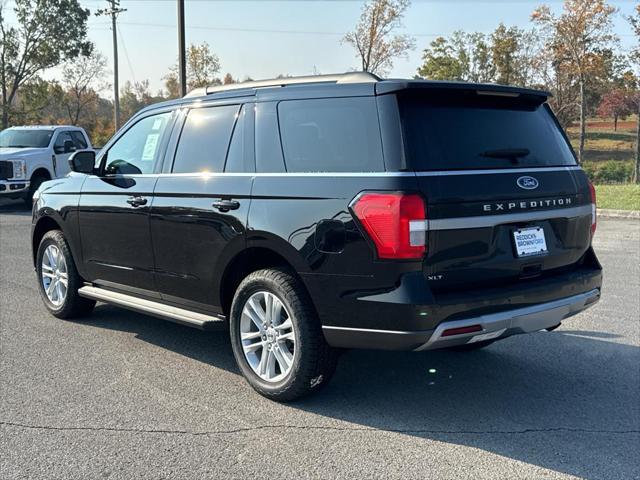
point(34, 154)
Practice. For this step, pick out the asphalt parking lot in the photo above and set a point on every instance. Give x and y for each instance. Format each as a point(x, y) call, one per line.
point(123, 395)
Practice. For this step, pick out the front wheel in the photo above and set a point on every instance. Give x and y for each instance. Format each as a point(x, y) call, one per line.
point(276, 337)
point(58, 278)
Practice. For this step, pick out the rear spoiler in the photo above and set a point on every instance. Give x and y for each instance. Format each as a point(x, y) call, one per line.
point(391, 86)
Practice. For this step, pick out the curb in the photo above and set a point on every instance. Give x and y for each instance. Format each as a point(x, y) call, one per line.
point(610, 213)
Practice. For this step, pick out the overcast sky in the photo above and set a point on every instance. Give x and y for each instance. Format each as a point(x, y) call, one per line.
point(262, 39)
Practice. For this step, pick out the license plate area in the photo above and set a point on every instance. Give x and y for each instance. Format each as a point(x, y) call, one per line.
point(529, 242)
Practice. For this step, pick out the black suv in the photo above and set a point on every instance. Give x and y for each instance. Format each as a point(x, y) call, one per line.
point(315, 214)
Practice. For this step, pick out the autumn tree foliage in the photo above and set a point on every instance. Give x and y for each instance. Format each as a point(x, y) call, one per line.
point(373, 38)
point(202, 67)
point(47, 33)
point(616, 104)
point(576, 39)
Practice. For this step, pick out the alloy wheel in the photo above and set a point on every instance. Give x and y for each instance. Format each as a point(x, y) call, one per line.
point(55, 277)
point(268, 337)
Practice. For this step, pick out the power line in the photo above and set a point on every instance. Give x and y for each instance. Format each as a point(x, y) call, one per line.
point(126, 55)
point(113, 11)
point(283, 31)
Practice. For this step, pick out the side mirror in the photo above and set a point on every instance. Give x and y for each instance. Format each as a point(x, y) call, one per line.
point(83, 161)
point(69, 146)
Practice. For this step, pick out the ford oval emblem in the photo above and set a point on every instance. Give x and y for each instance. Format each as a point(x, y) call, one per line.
point(528, 183)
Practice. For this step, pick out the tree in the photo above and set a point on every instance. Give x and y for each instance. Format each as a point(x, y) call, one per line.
point(37, 101)
point(577, 37)
point(615, 104)
point(441, 62)
point(505, 44)
point(135, 96)
point(202, 67)
point(481, 67)
point(47, 33)
point(373, 37)
point(82, 80)
point(228, 79)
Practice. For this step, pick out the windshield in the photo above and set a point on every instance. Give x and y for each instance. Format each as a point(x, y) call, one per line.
point(25, 138)
point(458, 131)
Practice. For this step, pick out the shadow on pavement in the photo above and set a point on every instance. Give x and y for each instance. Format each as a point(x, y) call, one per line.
point(565, 401)
point(13, 207)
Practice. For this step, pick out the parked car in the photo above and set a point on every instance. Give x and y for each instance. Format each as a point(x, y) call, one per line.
point(316, 214)
point(34, 154)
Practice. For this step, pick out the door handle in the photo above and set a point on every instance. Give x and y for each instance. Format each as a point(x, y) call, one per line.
point(226, 205)
point(137, 201)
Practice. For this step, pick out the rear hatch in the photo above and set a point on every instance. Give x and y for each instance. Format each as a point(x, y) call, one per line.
point(505, 199)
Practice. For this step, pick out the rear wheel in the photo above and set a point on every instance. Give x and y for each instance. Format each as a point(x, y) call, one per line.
point(58, 278)
point(276, 337)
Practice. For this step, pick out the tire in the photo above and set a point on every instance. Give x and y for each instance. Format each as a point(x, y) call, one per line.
point(314, 361)
point(33, 186)
point(69, 305)
point(470, 347)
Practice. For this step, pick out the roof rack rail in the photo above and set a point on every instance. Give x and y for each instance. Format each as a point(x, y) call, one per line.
point(354, 77)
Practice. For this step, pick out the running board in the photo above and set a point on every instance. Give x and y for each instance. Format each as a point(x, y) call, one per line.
point(167, 312)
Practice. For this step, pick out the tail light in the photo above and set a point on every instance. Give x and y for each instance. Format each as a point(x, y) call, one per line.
point(594, 218)
point(395, 222)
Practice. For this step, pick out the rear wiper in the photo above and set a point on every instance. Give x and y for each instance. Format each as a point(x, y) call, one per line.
point(510, 153)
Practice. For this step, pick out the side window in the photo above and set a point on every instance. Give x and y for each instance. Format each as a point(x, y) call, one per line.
point(204, 139)
point(58, 146)
point(78, 139)
point(240, 155)
point(331, 135)
point(268, 150)
point(137, 150)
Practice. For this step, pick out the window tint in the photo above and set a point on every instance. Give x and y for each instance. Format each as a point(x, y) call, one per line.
point(78, 139)
point(23, 138)
point(137, 150)
point(331, 135)
point(240, 156)
point(268, 150)
point(204, 139)
point(61, 138)
point(456, 131)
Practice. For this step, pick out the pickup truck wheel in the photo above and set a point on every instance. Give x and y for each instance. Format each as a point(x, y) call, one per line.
point(33, 186)
point(276, 337)
point(58, 278)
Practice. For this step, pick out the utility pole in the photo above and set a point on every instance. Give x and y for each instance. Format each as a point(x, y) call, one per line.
point(113, 11)
point(182, 60)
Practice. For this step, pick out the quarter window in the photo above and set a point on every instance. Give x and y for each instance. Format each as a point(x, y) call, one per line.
point(331, 135)
point(205, 139)
point(138, 149)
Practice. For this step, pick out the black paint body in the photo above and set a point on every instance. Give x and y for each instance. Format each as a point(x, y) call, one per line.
point(179, 250)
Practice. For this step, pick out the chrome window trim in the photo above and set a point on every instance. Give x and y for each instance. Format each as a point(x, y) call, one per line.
point(362, 174)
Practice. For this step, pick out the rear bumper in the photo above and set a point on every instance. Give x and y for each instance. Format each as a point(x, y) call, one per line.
point(486, 327)
point(412, 316)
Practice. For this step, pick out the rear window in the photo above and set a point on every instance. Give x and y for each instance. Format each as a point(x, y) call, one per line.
point(455, 131)
point(331, 135)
